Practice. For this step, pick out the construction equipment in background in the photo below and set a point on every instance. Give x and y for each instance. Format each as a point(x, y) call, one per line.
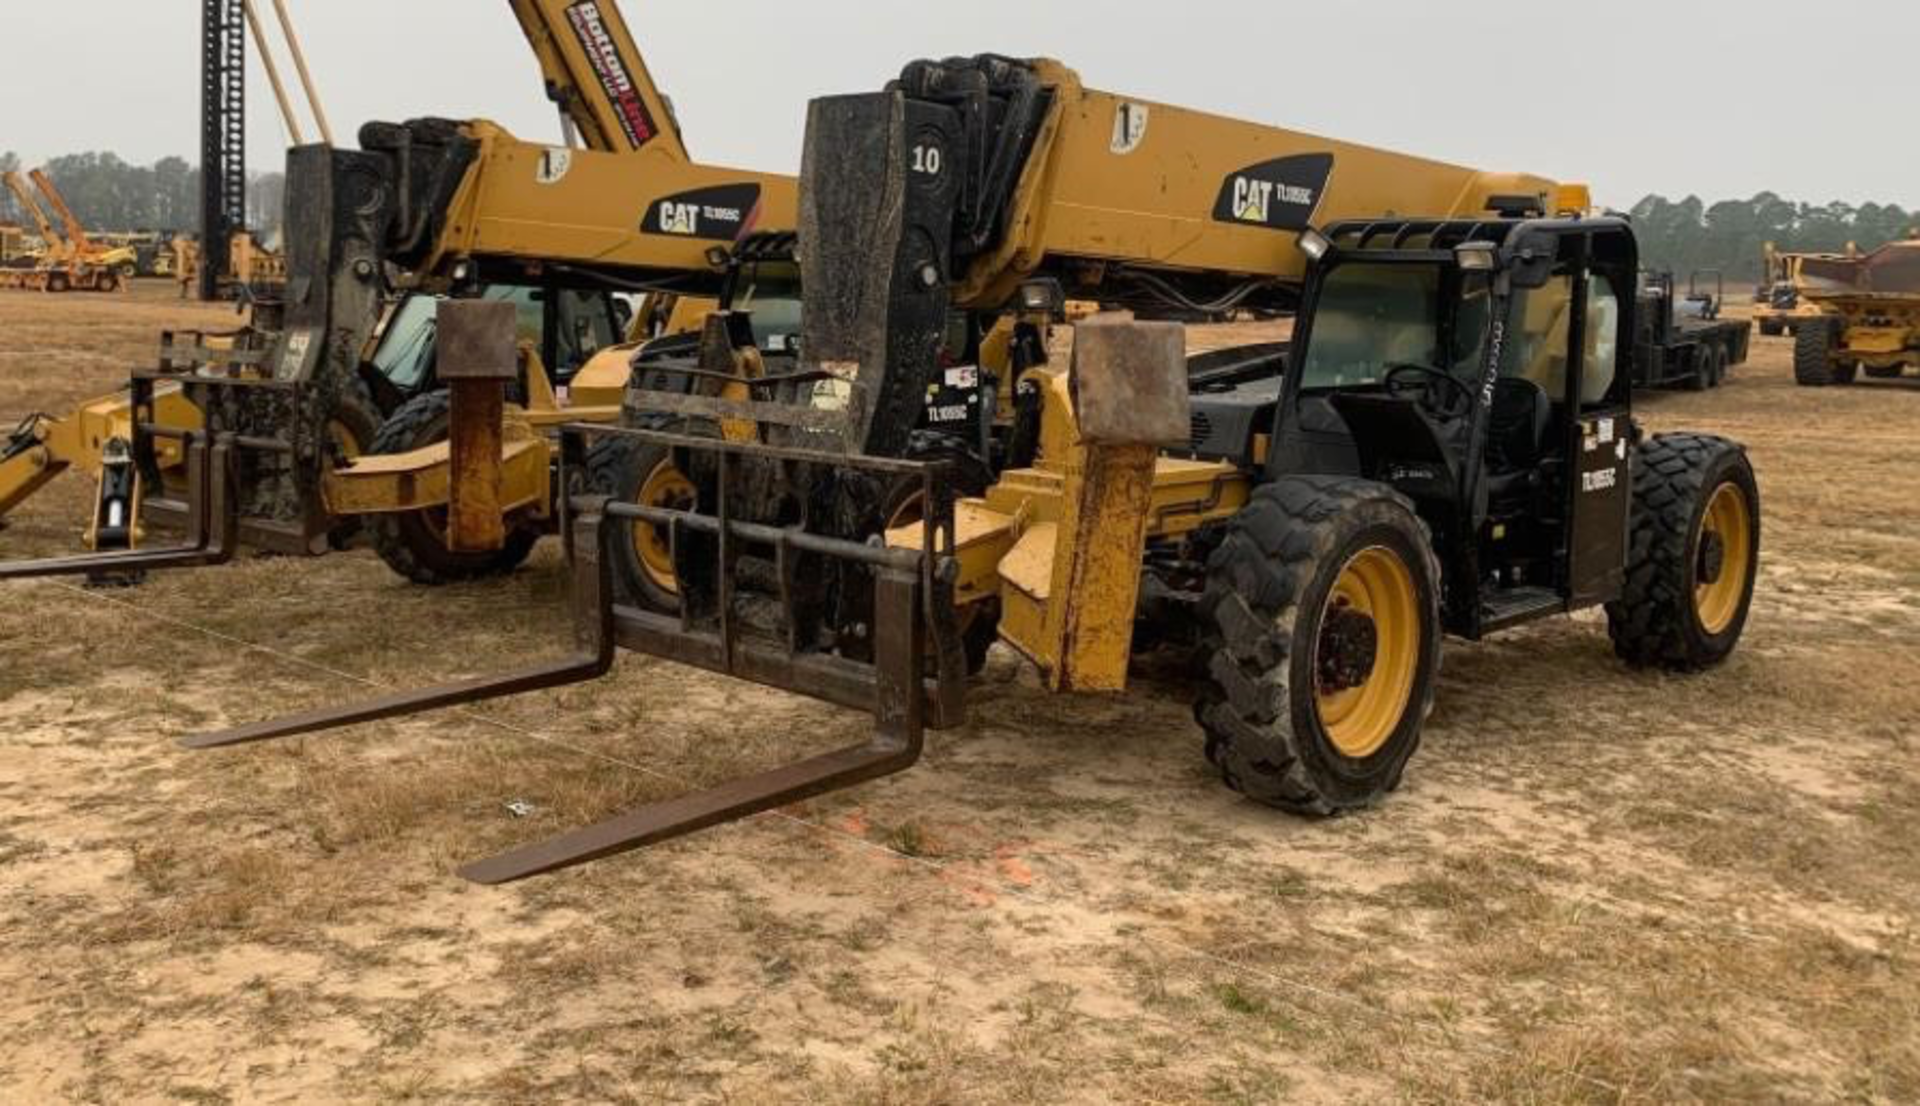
point(72, 262)
point(1778, 304)
point(1447, 446)
point(17, 248)
point(435, 209)
point(152, 250)
point(252, 270)
point(1683, 342)
point(1869, 317)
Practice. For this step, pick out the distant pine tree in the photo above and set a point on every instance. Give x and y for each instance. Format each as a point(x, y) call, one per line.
point(1732, 235)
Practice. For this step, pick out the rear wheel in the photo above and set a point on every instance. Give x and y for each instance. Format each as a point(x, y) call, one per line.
point(1322, 611)
point(1694, 554)
point(1720, 361)
point(1816, 345)
point(414, 544)
point(1699, 369)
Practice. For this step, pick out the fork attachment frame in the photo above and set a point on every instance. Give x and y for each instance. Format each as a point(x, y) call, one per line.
point(904, 686)
point(207, 514)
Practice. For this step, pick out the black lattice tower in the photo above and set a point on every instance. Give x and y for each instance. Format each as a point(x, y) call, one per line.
point(223, 137)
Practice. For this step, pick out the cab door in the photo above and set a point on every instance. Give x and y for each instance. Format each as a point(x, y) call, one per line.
point(1601, 473)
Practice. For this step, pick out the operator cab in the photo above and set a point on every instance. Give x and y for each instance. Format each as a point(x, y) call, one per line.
point(1478, 368)
point(564, 326)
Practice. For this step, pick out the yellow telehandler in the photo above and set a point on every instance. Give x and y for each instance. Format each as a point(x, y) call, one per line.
point(1446, 447)
point(345, 366)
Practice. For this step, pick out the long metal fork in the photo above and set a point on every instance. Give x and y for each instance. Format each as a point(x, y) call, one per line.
point(896, 695)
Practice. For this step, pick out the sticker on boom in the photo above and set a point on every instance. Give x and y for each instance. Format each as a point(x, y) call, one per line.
point(723, 213)
point(615, 76)
point(1279, 195)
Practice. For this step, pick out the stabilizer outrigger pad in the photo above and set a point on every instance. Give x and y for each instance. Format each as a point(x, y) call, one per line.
point(893, 686)
point(212, 522)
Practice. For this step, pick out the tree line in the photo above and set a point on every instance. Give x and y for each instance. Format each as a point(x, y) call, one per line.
point(110, 194)
point(1732, 235)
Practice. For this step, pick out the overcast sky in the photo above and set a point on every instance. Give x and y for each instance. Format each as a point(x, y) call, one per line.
point(1722, 98)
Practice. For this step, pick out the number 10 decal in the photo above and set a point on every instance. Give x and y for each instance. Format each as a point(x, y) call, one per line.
point(926, 160)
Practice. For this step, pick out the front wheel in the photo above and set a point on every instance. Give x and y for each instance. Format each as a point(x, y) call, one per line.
point(630, 470)
point(1694, 554)
point(1816, 354)
point(1322, 613)
point(414, 543)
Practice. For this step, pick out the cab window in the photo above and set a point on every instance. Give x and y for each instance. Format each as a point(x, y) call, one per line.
point(1542, 339)
point(1372, 317)
point(1369, 317)
point(1603, 342)
point(1537, 348)
point(771, 292)
point(586, 326)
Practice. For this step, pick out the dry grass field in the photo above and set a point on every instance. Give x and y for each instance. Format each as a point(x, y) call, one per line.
point(1596, 885)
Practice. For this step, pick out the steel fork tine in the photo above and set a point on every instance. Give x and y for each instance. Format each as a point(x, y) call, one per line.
point(899, 736)
point(593, 658)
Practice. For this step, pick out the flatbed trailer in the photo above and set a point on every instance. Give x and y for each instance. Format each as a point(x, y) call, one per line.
point(1685, 343)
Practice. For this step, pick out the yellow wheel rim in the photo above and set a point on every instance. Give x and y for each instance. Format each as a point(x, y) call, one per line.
point(1360, 719)
point(667, 488)
point(1725, 559)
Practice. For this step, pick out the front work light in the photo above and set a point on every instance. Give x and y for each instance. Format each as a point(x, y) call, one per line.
point(1314, 244)
point(1475, 257)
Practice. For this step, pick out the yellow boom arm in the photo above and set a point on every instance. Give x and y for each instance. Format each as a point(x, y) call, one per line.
point(1121, 181)
point(595, 73)
point(76, 231)
point(57, 246)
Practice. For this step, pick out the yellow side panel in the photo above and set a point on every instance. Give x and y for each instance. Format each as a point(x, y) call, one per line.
point(396, 483)
point(553, 206)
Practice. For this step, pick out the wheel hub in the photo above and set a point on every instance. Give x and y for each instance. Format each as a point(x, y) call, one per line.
point(1713, 558)
point(1349, 648)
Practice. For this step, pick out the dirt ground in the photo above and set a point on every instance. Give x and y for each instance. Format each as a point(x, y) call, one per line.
point(1596, 885)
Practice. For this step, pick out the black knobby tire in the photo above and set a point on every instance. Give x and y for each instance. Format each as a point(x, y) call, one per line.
point(619, 468)
point(1657, 622)
point(1815, 344)
point(1721, 359)
point(1268, 590)
point(1699, 369)
point(972, 477)
point(412, 544)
